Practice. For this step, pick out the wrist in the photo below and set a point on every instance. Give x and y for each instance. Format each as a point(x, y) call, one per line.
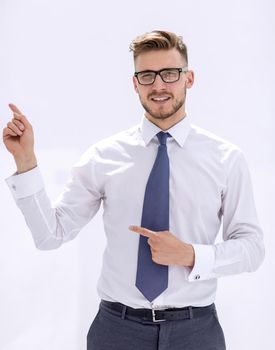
point(25, 164)
point(191, 256)
point(188, 255)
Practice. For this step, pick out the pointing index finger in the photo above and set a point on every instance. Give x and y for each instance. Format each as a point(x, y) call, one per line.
point(20, 116)
point(142, 231)
point(15, 109)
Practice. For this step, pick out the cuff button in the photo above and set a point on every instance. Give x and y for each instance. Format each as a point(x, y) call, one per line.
point(197, 277)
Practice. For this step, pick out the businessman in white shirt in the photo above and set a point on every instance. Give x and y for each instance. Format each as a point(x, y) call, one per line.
point(161, 263)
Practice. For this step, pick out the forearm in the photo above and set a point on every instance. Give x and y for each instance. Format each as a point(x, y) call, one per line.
point(233, 256)
point(239, 255)
point(52, 225)
point(30, 196)
point(41, 219)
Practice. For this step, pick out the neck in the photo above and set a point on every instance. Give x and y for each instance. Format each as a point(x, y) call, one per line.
point(166, 123)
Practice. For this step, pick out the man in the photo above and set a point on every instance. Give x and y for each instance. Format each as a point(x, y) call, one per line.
point(165, 185)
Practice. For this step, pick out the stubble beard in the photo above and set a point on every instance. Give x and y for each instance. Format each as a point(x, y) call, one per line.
point(162, 114)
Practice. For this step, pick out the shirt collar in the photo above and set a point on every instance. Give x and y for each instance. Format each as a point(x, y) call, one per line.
point(179, 131)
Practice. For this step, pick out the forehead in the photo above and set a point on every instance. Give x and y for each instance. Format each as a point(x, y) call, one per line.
point(158, 59)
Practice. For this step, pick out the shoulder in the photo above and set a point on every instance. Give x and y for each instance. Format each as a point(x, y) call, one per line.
point(127, 136)
point(112, 145)
point(206, 141)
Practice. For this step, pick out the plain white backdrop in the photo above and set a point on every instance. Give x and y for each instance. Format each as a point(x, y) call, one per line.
point(66, 65)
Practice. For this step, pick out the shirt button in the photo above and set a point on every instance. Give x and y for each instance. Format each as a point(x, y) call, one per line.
point(13, 187)
point(197, 277)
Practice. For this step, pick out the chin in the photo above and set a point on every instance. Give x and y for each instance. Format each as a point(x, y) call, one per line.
point(163, 115)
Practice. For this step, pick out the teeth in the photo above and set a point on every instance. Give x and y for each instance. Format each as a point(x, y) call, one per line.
point(160, 98)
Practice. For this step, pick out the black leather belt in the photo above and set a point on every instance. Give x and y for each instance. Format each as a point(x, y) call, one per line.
point(157, 315)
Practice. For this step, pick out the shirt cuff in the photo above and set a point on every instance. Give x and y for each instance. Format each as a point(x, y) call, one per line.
point(204, 263)
point(25, 184)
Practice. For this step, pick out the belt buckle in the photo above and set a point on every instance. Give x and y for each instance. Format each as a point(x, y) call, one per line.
point(154, 316)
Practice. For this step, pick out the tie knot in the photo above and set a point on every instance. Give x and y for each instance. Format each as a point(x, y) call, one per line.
point(162, 136)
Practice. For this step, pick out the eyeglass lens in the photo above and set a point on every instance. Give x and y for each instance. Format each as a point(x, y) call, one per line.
point(167, 75)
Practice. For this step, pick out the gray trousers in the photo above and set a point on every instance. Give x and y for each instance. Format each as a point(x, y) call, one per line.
point(112, 330)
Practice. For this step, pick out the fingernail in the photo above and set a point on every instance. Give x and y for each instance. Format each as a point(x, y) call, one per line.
point(21, 127)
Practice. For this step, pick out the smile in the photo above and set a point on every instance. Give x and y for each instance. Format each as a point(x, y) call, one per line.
point(160, 99)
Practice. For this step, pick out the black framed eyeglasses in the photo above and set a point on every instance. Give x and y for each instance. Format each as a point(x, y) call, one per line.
point(168, 75)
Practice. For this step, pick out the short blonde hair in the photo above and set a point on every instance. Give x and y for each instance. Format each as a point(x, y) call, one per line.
point(158, 40)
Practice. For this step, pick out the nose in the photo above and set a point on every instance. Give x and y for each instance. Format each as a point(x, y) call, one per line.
point(159, 84)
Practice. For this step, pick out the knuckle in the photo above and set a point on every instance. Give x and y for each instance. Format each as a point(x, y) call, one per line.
point(152, 243)
point(18, 116)
point(157, 238)
point(157, 241)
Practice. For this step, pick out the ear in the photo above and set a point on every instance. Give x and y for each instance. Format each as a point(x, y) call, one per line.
point(189, 79)
point(135, 84)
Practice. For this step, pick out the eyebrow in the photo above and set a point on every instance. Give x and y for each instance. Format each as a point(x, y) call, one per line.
point(156, 71)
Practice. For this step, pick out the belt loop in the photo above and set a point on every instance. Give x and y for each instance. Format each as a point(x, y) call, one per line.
point(190, 312)
point(123, 312)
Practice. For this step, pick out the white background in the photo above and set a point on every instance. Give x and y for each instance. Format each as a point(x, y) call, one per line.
point(67, 65)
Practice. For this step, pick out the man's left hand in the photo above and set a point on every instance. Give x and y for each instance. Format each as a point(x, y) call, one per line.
point(167, 249)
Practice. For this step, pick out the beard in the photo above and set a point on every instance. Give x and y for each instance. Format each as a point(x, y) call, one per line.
point(164, 113)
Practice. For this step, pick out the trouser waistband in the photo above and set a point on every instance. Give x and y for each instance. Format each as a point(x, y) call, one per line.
point(153, 315)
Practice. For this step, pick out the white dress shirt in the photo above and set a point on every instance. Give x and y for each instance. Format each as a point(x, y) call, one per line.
point(209, 181)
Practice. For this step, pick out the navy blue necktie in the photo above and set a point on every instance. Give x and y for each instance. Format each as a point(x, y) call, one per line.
point(152, 278)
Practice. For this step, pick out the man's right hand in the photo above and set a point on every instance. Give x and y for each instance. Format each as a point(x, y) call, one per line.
point(19, 140)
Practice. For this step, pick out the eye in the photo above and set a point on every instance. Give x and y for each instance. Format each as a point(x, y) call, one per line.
point(170, 74)
point(147, 75)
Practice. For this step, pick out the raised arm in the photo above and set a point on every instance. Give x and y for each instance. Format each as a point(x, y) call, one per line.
point(51, 225)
